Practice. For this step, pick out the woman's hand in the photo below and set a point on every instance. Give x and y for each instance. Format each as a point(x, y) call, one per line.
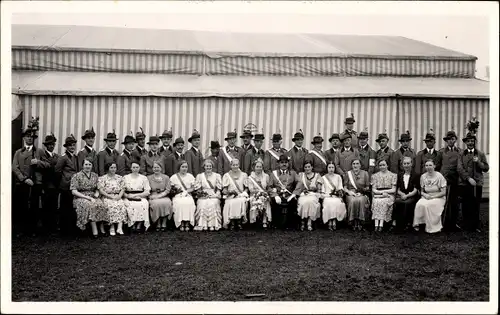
point(96, 194)
point(404, 197)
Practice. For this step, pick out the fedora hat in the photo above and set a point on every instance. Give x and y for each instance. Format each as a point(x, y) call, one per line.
point(350, 120)
point(298, 136)
point(49, 139)
point(429, 137)
point(469, 135)
point(382, 136)
point(344, 136)
point(111, 136)
point(167, 134)
point(140, 135)
point(334, 136)
point(128, 139)
point(178, 140)
point(317, 139)
point(277, 137)
point(214, 145)
point(89, 133)
point(246, 133)
point(405, 137)
point(153, 139)
point(69, 141)
point(450, 134)
point(32, 128)
point(231, 135)
point(363, 135)
point(194, 135)
point(259, 136)
point(283, 158)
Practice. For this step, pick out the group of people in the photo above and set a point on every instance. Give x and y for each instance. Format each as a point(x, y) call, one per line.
point(168, 188)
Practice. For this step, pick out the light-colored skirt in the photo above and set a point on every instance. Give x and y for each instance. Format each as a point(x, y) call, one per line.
point(159, 208)
point(116, 209)
point(429, 212)
point(308, 206)
point(138, 210)
point(184, 209)
point(235, 209)
point(333, 208)
point(208, 214)
point(382, 208)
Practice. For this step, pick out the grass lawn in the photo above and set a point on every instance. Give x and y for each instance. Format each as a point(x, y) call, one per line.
point(225, 266)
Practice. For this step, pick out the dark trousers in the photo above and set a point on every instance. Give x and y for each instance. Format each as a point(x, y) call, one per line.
point(403, 212)
point(284, 214)
point(26, 208)
point(451, 208)
point(67, 213)
point(471, 201)
point(50, 216)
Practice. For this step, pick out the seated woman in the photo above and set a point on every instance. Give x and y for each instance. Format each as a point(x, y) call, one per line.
point(236, 195)
point(383, 188)
point(332, 192)
point(137, 189)
point(208, 214)
point(431, 205)
point(356, 187)
point(406, 196)
point(258, 183)
point(111, 187)
point(160, 205)
point(183, 203)
point(309, 186)
point(89, 208)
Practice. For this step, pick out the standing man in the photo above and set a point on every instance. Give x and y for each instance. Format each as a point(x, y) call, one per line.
point(194, 157)
point(317, 156)
point(384, 152)
point(166, 138)
point(247, 141)
point(140, 148)
point(124, 161)
point(50, 196)
point(367, 155)
point(345, 156)
point(272, 155)
point(172, 161)
point(228, 153)
point(88, 151)
point(335, 146)
point(28, 183)
point(429, 153)
point(154, 155)
point(214, 155)
point(66, 167)
point(298, 153)
point(472, 164)
point(404, 150)
point(254, 153)
point(349, 125)
point(108, 154)
point(449, 169)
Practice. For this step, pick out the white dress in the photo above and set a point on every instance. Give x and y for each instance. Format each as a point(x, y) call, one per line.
point(333, 206)
point(137, 210)
point(208, 212)
point(183, 203)
point(308, 204)
point(429, 212)
point(235, 207)
point(258, 206)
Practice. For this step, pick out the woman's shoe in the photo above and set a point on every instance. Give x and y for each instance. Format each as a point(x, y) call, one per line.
point(119, 232)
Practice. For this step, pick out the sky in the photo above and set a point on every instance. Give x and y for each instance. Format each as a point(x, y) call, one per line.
point(466, 34)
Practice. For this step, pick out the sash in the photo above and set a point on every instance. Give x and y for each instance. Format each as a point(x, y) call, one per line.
point(257, 184)
point(229, 158)
point(304, 180)
point(235, 185)
point(319, 156)
point(330, 184)
point(351, 179)
point(182, 183)
point(207, 181)
point(275, 173)
point(273, 154)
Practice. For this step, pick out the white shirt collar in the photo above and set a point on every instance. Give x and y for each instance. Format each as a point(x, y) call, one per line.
point(179, 154)
point(299, 148)
point(363, 147)
point(90, 148)
point(195, 149)
point(29, 147)
point(50, 153)
point(431, 151)
point(471, 151)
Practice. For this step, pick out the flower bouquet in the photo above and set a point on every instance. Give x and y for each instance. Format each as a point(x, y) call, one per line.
point(174, 191)
point(230, 193)
point(200, 193)
point(338, 193)
point(258, 202)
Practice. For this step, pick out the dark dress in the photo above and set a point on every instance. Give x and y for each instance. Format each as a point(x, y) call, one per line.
point(404, 209)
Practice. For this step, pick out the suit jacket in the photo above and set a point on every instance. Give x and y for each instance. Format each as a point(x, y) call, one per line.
point(449, 166)
point(105, 156)
point(124, 163)
point(166, 152)
point(318, 165)
point(215, 160)
point(137, 153)
point(66, 167)
point(224, 164)
point(423, 156)
point(250, 157)
point(331, 155)
point(49, 178)
point(270, 162)
point(384, 154)
point(397, 158)
point(21, 165)
point(289, 179)
point(343, 160)
point(413, 183)
point(172, 163)
point(195, 161)
point(467, 168)
point(250, 147)
point(147, 161)
point(91, 154)
point(297, 158)
point(367, 157)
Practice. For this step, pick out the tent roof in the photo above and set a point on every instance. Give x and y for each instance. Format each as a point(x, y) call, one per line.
point(218, 44)
point(135, 84)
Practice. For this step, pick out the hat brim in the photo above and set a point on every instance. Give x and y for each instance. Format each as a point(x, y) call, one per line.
point(88, 136)
point(401, 140)
point(48, 142)
point(429, 139)
point(246, 136)
point(68, 144)
point(110, 139)
point(229, 138)
point(295, 139)
point(467, 138)
point(127, 142)
point(191, 139)
point(378, 139)
point(314, 142)
point(331, 139)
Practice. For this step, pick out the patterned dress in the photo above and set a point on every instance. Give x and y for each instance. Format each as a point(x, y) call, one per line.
point(235, 207)
point(116, 209)
point(382, 207)
point(183, 203)
point(258, 205)
point(208, 212)
point(308, 203)
point(333, 206)
point(86, 210)
point(161, 207)
point(429, 212)
point(138, 210)
point(358, 207)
